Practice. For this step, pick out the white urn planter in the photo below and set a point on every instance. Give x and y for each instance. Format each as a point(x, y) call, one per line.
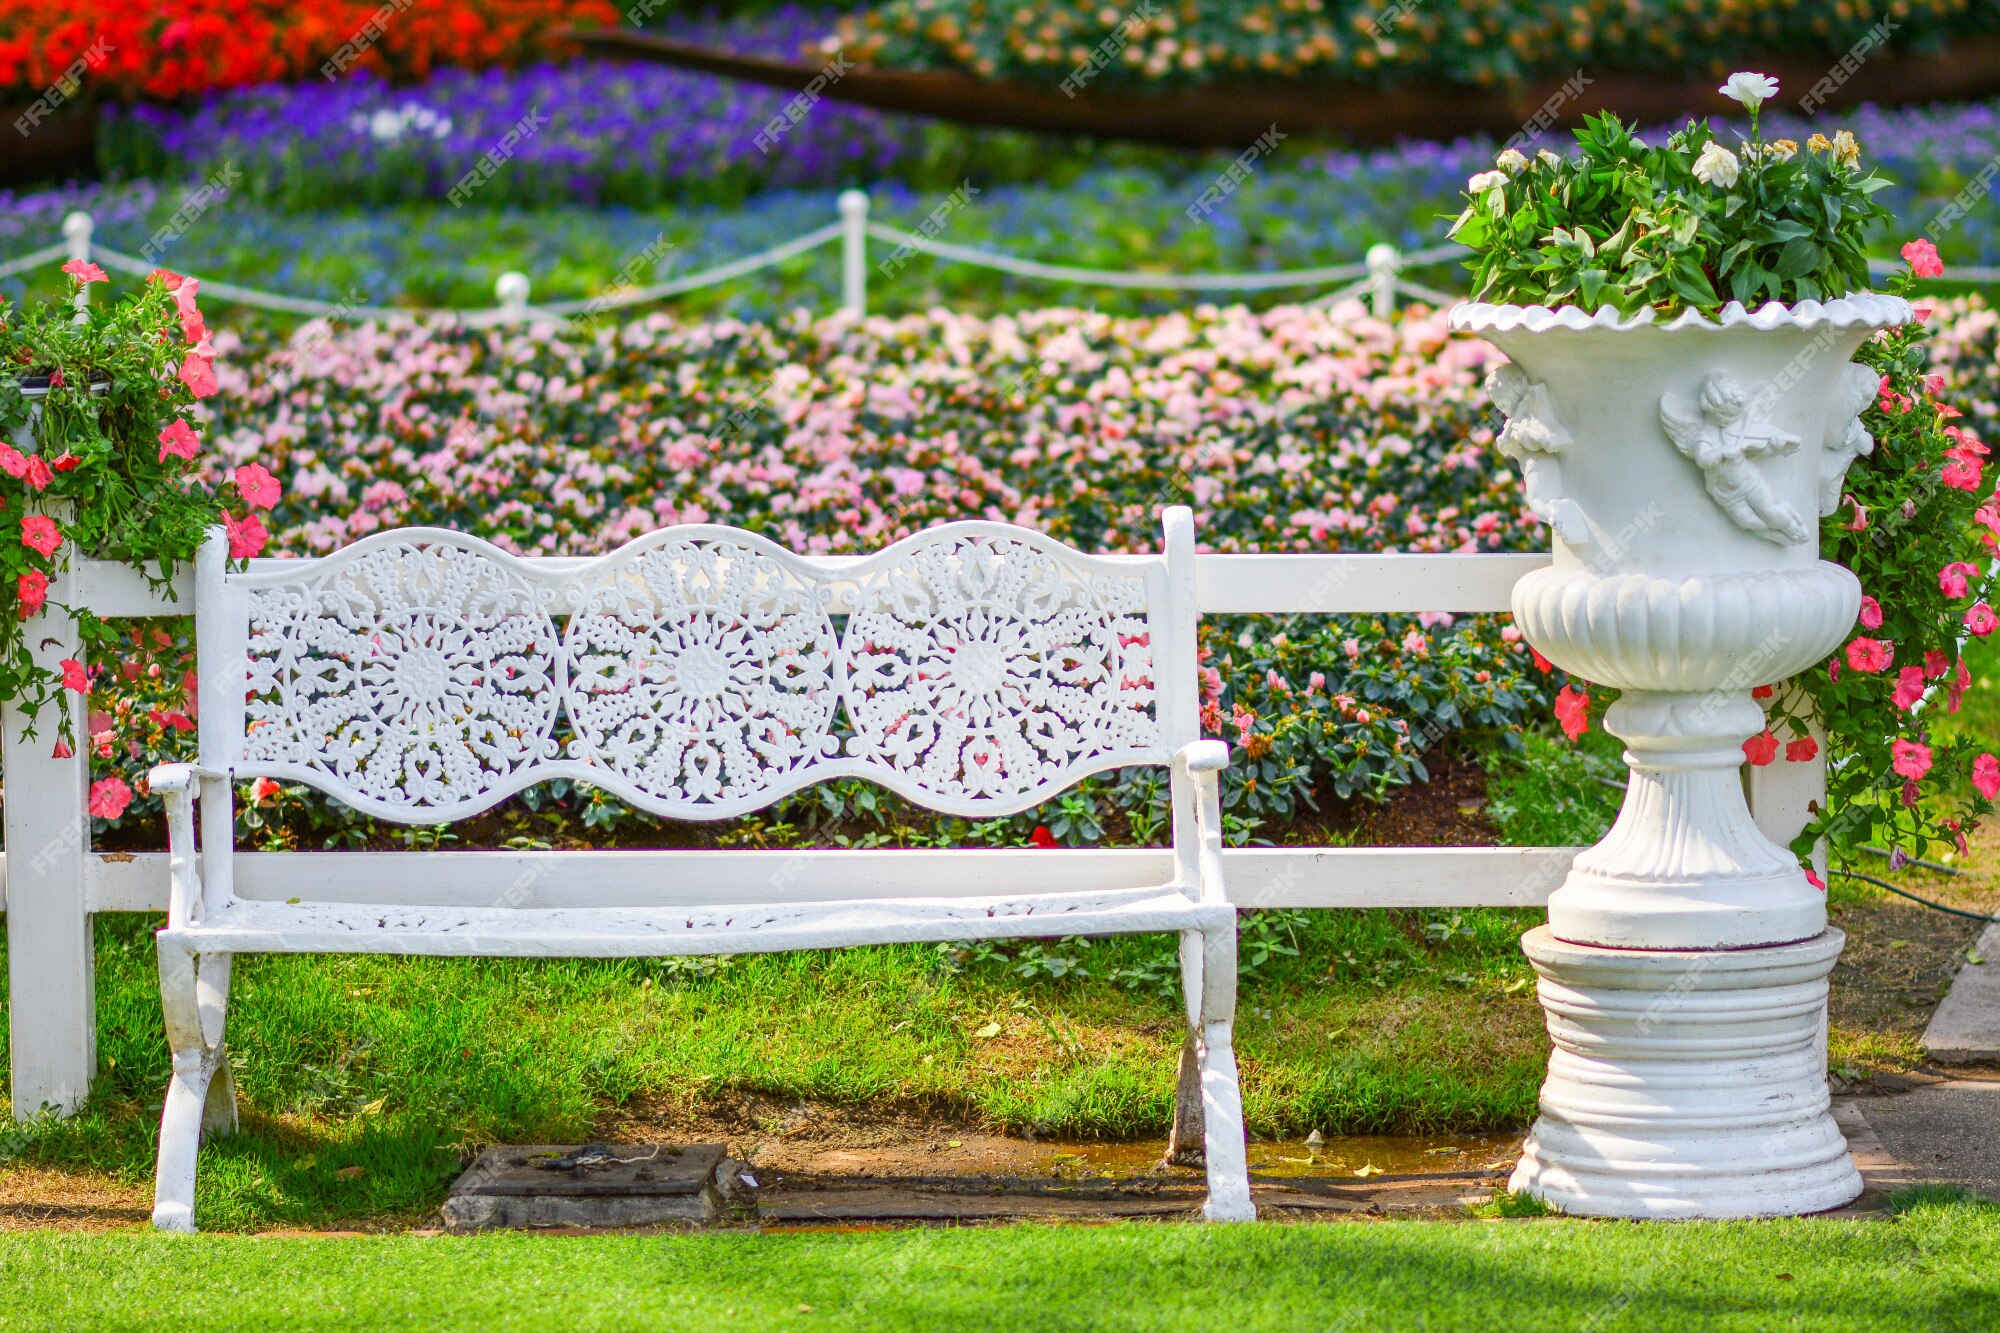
point(1683, 467)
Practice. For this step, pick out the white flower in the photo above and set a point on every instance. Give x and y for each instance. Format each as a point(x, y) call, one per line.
point(1752, 90)
point(1549, 159)
point(1717, 166)
point(1847, 148)
point(1484, 181)
point(1510, 160)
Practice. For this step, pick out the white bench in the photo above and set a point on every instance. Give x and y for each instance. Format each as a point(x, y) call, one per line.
point(698, 672)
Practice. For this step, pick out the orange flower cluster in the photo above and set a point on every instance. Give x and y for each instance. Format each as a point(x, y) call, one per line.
point(180, 48)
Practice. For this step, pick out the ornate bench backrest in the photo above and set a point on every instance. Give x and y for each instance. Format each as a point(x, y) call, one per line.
point(698, 672)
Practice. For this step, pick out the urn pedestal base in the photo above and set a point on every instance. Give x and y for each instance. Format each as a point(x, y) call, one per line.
point(1686, 1084)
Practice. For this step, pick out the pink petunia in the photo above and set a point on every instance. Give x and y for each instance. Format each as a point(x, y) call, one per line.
point(179, 441)
point(1936, 664)
point(1761, 749)
point(1980, 620)
point(1923, 260)
point(1573, 711)
point(1986, 776)
point(39, 533)
point(85, 272)
point(259, 488)
point(1961, 474)
point(109, 797)
point(1959, 684)
point(184, 306)
point(198, 373)
point(12, 461)
point(1952, 578)
point(1868, 655)
point(74, 676)
point(1909, 687)
point(1802, 750)
point(1871, 613)
point(246, 535)
point(37, 474)
point(1910, 759)
point(32, 590)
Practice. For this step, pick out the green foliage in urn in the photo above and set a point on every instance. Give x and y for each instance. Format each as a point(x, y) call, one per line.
point(1691, 224)
point(100, 459)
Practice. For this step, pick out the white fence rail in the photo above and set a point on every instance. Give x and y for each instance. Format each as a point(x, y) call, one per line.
point(1378, 277)
point(54, 881)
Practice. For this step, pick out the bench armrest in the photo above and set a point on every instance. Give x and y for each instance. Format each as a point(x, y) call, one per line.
point(1204, 756)
point(179, 786)
point(1203, 762)
point(174, 779)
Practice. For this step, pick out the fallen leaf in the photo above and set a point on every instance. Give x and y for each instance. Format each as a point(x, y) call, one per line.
point(988, 1032)
point(1972, 957)
point(954, 1143)
point(351, 1172)
point(1369, 1170)
point(1899, 944)
point(804, 1308)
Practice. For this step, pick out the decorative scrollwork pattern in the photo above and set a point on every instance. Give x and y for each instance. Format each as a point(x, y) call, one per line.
point(415, 675)
point(701, 671)
point(984, 667)
point(698, 674)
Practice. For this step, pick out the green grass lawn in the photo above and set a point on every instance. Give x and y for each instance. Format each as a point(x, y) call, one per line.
point(1379, 1021)
point(1935, 1266)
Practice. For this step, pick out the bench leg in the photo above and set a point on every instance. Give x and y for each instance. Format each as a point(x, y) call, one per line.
point(201, 1098)
point(1187, 1142)
point(1208, 1103)
point(1222, 1114)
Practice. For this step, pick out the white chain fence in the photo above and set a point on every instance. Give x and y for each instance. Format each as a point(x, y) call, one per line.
point(1378, 277)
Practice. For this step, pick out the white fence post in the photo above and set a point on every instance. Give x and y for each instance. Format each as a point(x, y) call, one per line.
point(76, 230)
point(52, 1028)
point(512, 290)
point(853, 253)
point(1384, 263)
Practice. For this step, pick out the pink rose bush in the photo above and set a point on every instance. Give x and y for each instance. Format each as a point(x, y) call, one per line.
point(1920, 525)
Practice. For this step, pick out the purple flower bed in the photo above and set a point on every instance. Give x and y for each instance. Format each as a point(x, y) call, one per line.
point(603, 132)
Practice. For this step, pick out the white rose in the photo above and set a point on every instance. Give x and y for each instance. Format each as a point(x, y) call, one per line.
point(1549, 159)
point(1717, 166)
point(1752, 90)
point(1510, 160)
point(1484, 181)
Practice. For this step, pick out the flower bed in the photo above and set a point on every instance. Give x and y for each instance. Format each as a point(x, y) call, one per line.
point(1290, 430)
point(1463, 42)
point(1295, 430)
point(185, 47)
point(614, 132)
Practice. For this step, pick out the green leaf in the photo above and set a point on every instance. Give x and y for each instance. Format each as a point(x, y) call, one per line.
point(1798, 258)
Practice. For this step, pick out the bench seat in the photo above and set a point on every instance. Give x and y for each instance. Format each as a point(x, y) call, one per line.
point(247, 926)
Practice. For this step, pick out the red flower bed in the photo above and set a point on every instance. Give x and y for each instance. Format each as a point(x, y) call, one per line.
point(177, 48)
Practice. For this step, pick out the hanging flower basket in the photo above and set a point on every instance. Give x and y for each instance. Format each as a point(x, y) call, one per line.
point(102, 460)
